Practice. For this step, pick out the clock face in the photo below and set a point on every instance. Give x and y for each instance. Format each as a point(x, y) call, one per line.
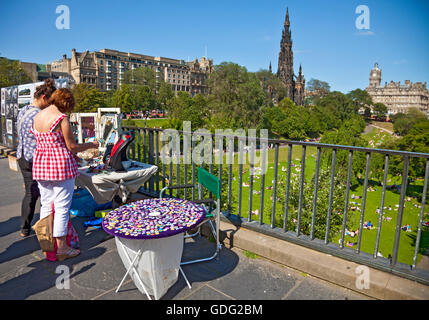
point(374, 74)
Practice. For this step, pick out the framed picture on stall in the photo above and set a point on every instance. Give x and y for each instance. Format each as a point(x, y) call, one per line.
point(9, 126)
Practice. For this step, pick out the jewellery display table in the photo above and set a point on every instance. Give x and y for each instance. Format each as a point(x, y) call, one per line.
point(104, 186)
point(149, 238)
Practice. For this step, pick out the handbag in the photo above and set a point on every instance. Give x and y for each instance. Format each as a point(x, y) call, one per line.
point(44, 232)
point(43, 229)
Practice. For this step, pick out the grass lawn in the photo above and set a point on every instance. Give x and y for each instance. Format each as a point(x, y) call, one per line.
point(383, 124)
point(150, 123)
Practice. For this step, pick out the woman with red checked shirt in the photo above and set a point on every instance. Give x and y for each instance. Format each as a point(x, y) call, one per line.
point(54, 165)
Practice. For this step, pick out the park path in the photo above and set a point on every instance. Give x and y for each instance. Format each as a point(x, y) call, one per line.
point(384, 129)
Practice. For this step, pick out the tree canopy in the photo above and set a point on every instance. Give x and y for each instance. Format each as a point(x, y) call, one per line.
point(403, 122)
point(11, 73)
point(142, 77)
point(318, 85)
point(235, 97)
point(88, 98)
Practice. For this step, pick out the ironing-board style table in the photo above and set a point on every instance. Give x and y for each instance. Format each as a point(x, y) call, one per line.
point(148, 235)
point(106, 185)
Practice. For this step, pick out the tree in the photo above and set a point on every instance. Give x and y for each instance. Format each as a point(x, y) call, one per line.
point(141, 76)
point(235, 98)
point(164, 94)
point(340, 105)
point(349, 134)
point(274, 89)
point(322, 204)
point(287, 120)
point(185, 108)
point(88, 98)
point(144, 98)
point(416, 140)
point(361, 100)
point(380, 110)
point(130, 97)
point(318, 85)
point(315, 90)
point(403, 122)
point(122, 98)
point(11, 73)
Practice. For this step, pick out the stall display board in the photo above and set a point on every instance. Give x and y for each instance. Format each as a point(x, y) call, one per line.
point(13, 99)
point(100, 125)
point(8, 113)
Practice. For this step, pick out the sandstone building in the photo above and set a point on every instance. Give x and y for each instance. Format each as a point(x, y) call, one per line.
point(105, 69)
point(395, 96)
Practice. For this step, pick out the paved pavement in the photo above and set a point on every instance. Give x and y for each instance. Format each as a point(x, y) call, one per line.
point(96, 272)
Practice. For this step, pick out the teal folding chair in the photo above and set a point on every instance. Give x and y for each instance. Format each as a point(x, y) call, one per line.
point(212, 184)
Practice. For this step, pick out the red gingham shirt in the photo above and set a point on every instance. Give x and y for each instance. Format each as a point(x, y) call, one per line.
point(52, 160)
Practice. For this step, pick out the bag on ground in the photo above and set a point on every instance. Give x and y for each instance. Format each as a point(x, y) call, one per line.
point(43, 230)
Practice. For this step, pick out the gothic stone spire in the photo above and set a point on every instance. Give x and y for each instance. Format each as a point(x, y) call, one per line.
point(294, 88)
point(285, 64)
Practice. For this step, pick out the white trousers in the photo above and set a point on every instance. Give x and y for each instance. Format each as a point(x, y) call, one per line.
point(60, 193)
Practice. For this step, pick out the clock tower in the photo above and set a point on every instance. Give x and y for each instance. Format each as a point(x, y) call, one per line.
point(375, 76)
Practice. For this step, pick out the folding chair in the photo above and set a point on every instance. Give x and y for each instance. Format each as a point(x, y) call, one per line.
point(212, 184)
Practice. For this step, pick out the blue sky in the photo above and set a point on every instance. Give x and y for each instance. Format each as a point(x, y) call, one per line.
point(325, 39)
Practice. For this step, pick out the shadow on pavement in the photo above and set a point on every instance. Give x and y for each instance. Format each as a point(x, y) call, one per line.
point(12, 225)
point(43, 275)
point(201, 272)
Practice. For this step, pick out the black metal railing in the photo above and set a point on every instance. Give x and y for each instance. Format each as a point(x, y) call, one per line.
point(148, 147)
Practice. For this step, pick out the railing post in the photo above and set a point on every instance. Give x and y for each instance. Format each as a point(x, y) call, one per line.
point(400, 210)
point(346, 202)
point(170, 167)
point(185, 162)
point(383, 195)
point(301, 191)
point(230, 161)
point(157, 159)
point(193, 170)
point(316, 186)
point(331, 192)
point(133, 145)
point(276, 166)
point(139, 153)
point(289, 169)
point(150, 158)
point(251, 173)
point(144, 146)
point(220, 157)
point(163, 158)
point(240, 174)
point(178, 166)
point(419, 231)
point(263, 170)
point(365, 190)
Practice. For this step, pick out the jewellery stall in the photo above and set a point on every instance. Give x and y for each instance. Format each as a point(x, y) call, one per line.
point(106, 172)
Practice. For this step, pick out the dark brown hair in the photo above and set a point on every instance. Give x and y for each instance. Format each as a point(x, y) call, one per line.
point(63, 100)
point(47, 88)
